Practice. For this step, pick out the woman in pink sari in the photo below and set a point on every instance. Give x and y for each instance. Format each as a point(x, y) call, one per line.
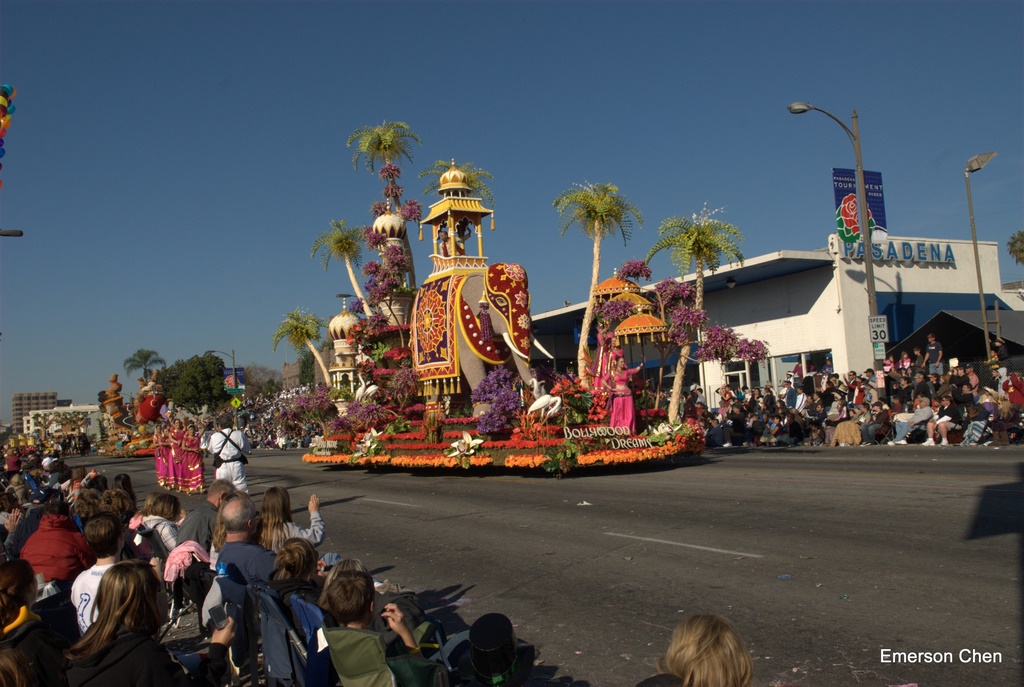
point(193, 481)
point(176, 455)
point(623, 412)
point(161, 459)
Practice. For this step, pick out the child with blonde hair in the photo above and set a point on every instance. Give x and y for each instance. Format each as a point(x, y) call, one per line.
point(705, 651)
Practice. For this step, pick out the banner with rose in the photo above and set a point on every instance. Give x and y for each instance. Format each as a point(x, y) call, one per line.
point(844, 184)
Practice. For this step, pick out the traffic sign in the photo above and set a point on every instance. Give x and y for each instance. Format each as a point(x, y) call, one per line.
point(236, 402)
point(234, 391)
point(879, 351)
point(878, 326)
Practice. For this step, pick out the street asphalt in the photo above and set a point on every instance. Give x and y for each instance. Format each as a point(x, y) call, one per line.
point(832, 562)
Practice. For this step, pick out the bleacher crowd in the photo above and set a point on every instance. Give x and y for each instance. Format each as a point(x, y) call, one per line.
point(914, 404)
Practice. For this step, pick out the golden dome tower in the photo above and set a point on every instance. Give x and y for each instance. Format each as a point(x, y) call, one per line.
point(453, 219)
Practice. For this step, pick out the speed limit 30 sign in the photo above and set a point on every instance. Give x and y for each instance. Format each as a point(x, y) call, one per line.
point(879, 328)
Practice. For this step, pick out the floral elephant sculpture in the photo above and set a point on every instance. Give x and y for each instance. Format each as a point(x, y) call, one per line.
point(466, 322)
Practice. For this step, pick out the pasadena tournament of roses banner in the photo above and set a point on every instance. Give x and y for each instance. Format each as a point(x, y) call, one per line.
point(844, 184)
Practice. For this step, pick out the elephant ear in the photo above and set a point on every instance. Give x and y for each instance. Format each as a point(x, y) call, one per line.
point(509, 296)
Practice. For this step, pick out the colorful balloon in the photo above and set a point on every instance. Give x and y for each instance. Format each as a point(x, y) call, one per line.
point(10, 108)
point(6, 89)
point(3, 100)
point(3, 151)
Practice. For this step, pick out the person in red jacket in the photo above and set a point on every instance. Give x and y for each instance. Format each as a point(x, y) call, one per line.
point(1013, 387)
point(58, 549)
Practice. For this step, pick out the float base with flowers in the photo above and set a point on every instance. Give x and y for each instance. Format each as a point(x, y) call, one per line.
point(551, 448)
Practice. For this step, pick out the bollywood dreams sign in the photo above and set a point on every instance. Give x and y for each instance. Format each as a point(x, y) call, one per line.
point(844, 185)
point(618, 437)
point(923, 252)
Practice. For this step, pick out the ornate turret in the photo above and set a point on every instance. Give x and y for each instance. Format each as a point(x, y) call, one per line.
point(343, 369)
point(453, 220)
point(391, 226)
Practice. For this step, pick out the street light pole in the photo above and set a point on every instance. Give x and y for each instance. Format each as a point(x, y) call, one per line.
point(973, 165)
point(862, 203)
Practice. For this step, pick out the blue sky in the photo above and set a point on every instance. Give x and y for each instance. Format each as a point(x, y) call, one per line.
point(171, 162)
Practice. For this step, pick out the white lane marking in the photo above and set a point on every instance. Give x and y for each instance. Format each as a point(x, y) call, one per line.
point(689, 546)
point(393, 503)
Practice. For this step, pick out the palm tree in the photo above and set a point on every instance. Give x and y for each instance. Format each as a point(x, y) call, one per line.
point(703, 241)
point(303, 329)
point(387, 143)
point(474, 179)
point(145, 360)
point(598, 210)
point(344, 243)
point(1016, 247)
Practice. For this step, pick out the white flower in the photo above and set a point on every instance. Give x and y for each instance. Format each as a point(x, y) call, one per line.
point(368, 444)
point(466, 446)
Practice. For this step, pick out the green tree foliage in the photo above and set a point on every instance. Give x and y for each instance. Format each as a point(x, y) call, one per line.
point(195, 383)
point(260, 379)
point(702, 241)
point(145, 360)
point(1016, 247)
point(344, 243)
point(475, 177)
point(386, 143)
point(303, 330)
point(307, 368)
point(597, 210)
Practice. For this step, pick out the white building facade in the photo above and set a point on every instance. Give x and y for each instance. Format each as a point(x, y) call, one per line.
point(812, 306)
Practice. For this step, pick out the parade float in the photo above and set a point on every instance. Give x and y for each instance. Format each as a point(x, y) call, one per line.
point(447, 383)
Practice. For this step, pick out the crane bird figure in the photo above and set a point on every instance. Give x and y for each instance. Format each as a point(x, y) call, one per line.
point(364, 393)
point(547, 404)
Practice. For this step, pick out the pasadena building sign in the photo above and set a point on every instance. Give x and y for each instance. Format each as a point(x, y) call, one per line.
point(923, 252)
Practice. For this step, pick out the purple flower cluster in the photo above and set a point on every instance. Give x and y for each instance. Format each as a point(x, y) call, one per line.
point(497, 390)
point(684, 321)
point(355, 305)
point(671, 293)
point(376, 322)
point(752, 350)
point(404, 386)
point(389, 172)
point(374, 241)
point(360, 417)
point(412, 211)
point(385, 276)
point(393, 191)
point(395, 258)
point(635, 269)
point(723, 344)
point(379, 208)
point(612, 311)
point(316, 407)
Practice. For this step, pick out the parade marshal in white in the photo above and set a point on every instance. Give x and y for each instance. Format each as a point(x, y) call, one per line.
point(229, 448)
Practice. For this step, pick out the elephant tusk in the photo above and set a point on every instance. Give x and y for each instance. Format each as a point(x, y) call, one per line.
point(508, 342)
point(542, 349)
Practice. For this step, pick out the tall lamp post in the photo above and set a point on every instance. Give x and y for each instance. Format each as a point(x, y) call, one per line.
point(862, 202)
point(973, 165)
point(234, 375)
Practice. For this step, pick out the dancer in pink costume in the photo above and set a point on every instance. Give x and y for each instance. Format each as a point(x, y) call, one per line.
point(623, 412)
point(162, 459)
